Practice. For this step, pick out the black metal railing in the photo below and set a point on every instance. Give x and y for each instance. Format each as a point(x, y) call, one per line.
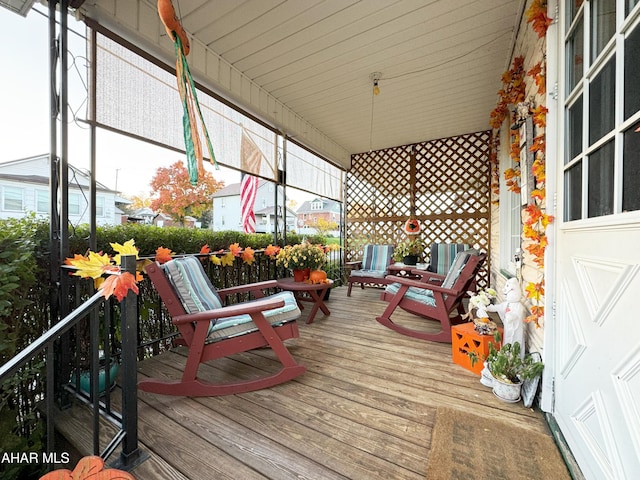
point(102, 333)
point(90, 317)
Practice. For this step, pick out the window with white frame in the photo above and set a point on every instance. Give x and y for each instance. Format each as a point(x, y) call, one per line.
point(510, 213)
point(99, 206)
point(42, 201)
point(602, 108)
point(74, 204)
point(13, 199)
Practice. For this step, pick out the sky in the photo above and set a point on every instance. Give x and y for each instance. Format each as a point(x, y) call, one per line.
point(123, 164)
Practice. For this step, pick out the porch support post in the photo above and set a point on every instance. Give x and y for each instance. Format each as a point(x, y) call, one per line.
point(131, 454)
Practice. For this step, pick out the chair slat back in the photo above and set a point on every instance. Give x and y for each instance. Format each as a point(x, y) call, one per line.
point(469, 258)
point(443, 256)
point(377, 257)
point(191, 284)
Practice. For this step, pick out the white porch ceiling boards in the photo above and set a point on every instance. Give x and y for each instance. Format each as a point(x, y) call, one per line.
point(304, 65)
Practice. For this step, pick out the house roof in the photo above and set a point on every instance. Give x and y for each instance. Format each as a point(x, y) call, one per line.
point(327, 206)
point(77, 177)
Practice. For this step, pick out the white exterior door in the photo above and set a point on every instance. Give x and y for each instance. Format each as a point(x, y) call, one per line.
point(597, 373)
point(596, 279)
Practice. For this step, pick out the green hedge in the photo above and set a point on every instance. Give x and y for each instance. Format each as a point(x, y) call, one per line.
point(180, 240)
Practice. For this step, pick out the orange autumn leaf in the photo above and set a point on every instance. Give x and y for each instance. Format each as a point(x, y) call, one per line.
point(533, 212)
point(538, 144)
point(75, 258)
point(531, 233)
point(511, 173)
point(540, 116)
point(271, 250)
point(536, 14)
point(119, 285)
point(205, 250)
point(235, 249)
point(539, 169)
point(163, 255)
point(248, 255)
point(538, 194)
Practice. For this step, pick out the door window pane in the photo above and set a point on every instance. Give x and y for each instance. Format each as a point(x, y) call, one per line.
point(630, 5)
point(573, 193)
point(600, 190)
point(12, 199)
point(602, 102)
point(603, 25)
point(572, 8)
point(632, 73)
point(631, 170)
point(574, 140)
point(575, 57)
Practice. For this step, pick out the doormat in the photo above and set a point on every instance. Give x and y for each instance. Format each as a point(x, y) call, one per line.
point(468, 446)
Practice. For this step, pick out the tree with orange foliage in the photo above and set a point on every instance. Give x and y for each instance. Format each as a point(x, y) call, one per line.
point(176, 196)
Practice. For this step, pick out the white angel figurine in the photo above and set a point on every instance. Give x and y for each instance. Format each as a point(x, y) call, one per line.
point(512, 314)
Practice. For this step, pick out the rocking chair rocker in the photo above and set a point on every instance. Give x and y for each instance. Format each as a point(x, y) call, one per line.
point(433, 296)
point(210, 330)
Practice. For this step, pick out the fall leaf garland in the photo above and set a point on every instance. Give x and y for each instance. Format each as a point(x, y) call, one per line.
point(535, 219)
point(118, 283)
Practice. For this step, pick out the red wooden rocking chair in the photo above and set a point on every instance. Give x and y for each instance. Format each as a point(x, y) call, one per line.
point(433, 296)
point(211, 330)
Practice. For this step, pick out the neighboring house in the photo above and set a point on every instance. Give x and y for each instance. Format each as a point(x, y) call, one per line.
point(311, 211)
point(24, 187)
point(142, 215)
point(226, 208)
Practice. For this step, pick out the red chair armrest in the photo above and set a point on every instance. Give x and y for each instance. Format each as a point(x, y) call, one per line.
point(238, 309)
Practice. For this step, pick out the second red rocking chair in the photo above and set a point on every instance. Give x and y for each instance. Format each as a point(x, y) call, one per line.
point(210, 330)
point(434, 297)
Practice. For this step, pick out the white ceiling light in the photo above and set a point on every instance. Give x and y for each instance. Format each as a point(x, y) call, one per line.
point(20, 7)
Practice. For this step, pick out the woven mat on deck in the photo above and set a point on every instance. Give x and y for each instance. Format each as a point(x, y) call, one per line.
point(467, 446)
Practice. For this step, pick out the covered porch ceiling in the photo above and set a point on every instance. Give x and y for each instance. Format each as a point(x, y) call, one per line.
point(304, 66)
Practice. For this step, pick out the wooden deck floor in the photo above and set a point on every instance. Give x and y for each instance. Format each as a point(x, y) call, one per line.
point(364, 409)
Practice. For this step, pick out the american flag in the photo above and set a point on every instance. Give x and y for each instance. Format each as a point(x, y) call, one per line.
point(250, 160)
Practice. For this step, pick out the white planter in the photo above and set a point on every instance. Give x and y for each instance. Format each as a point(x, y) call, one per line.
point(507, 392)
point(486, 378)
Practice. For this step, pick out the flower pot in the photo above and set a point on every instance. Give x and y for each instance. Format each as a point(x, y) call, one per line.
point(301, 275)
point(507, 392)
point(85, 379)
point(486, 378)
point(410, 259)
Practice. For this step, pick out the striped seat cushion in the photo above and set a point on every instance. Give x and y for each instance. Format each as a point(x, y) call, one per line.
point(443, 255)
point(197, 294)
point(421, 295)
point(375, 260)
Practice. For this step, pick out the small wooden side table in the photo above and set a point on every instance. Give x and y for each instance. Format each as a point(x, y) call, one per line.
point(465, 340)
point(316, 293)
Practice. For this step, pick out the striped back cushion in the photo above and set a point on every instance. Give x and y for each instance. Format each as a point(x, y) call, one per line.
point(456, 268)
point(377, 257)
point(192, 285)
point(443, 255)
